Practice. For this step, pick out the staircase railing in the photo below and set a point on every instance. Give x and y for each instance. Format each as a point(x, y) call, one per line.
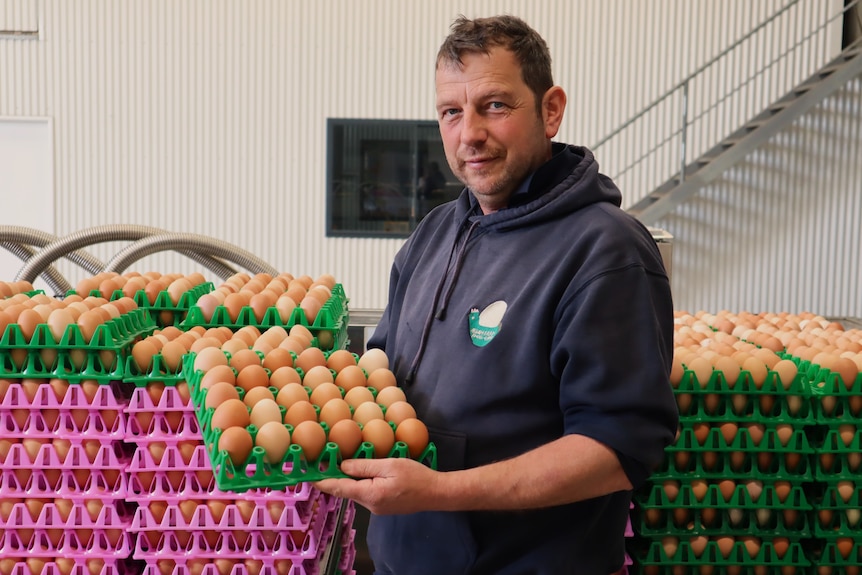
point(658, 143)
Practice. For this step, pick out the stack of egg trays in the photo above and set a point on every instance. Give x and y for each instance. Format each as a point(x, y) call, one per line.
point(172, 479)
point(837, 461)
point(714, 403)
point(72, 357)
point(76, 478)
point(329, 328)
point(164, 311)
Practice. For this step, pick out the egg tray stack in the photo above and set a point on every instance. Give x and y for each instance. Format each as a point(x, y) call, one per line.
point(329, 326)
point(162, 309)
point(63, 473)
point(837, 440)
point(73, 357)
point(725, 499)
point(184, 522)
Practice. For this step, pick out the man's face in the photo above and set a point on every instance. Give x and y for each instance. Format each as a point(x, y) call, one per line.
point(492, 133)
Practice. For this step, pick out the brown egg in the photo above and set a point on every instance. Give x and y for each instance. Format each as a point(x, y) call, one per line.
point(347, 434)
point(231, 413)
point(278, 357)
point(757, 371)
point(208, 342)
point(234, 303)
point(309, 358)
point(317, 375)
point(209, 357)
point(244, 358)
point(299, 412)
point(142, 354)
point(414, 434)
point(365, 412)
point(844, 545)
point(381, 378)
point(399, 411)
point(219, 373)
point(725, 545)
point(264, 411)
point(349, 377)
point(301, 332)
point(339, 359)
point(333, 411)
point(311, 437)
point(290, 394)
point(323, 392)
point(786, 371)
point(255, 394)
point(219, 393)
point(274, 438)
point(702, 370)
point(357, 396)
point(234, 346)
point(252, 376)
point(380, 434)
point(58, 321)
point(373, 359)
point(237, 442)
point(172, 354)
point(310, 306)
point(389, 395)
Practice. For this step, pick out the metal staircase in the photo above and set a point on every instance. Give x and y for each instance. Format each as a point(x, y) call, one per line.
point(654, 152)
point(750, 136)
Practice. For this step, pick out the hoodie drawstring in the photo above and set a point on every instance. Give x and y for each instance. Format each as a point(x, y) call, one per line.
point(441, 314)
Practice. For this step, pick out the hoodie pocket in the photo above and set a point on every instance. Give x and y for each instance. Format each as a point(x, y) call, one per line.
point(451, 448)
point(428, 543)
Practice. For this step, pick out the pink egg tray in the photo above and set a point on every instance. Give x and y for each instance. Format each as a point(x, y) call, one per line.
point(172, 479)
point(162, 426)
point(82, 566)
point(36, 483)
point(170, 400)
point(111, 516)
point(242, 544)
point(39, 544)
point(33, 424)
point(110, 455)
point(269, 567)
point(108, 396)
point(296, 515)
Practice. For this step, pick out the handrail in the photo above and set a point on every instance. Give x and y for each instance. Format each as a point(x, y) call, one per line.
point(694, 74)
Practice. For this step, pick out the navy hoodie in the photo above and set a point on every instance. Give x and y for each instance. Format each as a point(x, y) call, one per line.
point(512, 329)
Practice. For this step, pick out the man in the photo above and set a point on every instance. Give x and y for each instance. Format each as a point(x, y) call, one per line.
point(530, 325)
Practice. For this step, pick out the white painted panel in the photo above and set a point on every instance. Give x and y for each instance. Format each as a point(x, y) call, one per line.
point(26, 183)
point(18, 17)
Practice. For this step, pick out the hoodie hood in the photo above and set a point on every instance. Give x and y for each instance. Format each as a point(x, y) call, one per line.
point(569, 181)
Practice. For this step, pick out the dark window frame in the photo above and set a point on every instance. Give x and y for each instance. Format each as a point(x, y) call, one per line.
point(373, 171)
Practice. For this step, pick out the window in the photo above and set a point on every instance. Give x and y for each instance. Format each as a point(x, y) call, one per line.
point(383, 176)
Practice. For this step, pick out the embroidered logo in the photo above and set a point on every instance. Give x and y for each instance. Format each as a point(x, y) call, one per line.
point(486, 325)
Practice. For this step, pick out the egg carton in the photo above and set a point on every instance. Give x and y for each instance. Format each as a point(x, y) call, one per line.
point(696, 569)
point(144, 428)
point(295, 515)
point(107, 397)
point(737, 555)
point(113, 335)
point(158, 371)
point(44, 484)
point(231, 544)
point(835, 553)
point(112, 515)
point(740, 498)
point(841, 523)
point(348, 551)
point(82, 565)
point(169, 402)
point(785, 464)
point(109, 456)
point(744, 385)
point(173, 479)
point(63, 423)
point(329, 327)
point(269, 566)
point(687, 522)
point(100, 544)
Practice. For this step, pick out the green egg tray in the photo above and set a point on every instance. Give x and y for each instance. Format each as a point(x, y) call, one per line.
point(256, 472)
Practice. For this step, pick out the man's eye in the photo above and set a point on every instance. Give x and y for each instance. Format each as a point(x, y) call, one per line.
point(497, 105)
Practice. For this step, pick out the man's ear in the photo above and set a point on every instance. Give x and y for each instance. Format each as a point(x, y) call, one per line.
point(553, 107)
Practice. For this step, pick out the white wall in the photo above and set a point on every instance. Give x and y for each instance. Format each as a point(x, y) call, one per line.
point(209, 116)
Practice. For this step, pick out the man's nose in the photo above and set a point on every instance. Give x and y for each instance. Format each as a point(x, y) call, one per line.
point(473, 128)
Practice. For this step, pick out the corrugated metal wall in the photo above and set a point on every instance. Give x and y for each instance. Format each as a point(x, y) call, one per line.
point(209, 116)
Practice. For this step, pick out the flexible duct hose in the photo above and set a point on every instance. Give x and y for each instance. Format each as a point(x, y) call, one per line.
point(52, 277)
point(40, 239)
point(107, 233)
point(168, 241)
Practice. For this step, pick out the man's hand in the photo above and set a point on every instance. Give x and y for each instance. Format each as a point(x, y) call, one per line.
point(388, 486)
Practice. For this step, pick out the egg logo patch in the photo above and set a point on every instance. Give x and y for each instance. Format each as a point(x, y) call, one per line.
point(486, 325)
